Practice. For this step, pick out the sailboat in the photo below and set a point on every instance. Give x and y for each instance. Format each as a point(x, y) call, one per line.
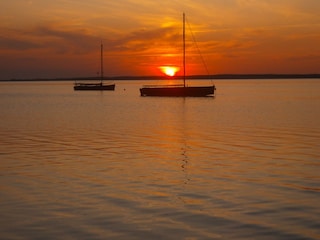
point(95, 86)
point(178, 90)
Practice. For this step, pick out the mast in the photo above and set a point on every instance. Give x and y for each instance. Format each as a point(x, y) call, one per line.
point(184, 52)
point(101, 66)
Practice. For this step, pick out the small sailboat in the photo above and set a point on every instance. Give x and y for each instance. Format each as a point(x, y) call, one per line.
point(95, 86)
point(178, 90)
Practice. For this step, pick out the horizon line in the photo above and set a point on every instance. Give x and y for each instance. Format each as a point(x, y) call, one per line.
point(156, 77)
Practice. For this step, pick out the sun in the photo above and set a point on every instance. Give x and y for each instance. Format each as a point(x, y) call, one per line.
point(169, 70)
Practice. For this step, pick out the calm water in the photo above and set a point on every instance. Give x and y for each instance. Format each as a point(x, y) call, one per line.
point(114, 165)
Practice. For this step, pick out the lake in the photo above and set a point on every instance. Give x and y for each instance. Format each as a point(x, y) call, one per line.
point(244, 164)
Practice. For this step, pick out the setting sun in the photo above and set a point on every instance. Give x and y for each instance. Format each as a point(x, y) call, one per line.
point(169, 70)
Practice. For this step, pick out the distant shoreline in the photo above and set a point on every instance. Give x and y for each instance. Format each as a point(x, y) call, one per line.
point(216, 76)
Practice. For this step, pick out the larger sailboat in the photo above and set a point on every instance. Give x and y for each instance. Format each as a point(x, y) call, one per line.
point(178, 90)
point(95, 86)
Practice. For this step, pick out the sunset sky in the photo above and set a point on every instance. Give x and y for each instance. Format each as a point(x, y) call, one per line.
point(61, 38)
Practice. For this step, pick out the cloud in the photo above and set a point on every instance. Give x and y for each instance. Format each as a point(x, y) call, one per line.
point(78, 41)
point(16, 43)
point(144, 39)
point(306, 57)
point(67, 39)
point(49, 36)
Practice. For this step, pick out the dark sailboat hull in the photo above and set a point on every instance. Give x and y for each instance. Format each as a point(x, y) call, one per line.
point(95, 87)
point(167, 91)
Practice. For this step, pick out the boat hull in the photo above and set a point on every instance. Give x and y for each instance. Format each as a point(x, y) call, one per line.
point(95, 87)
point(198, 91)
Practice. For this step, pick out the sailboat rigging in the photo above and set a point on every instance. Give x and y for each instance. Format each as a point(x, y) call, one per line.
point(178, 90)
point(96, 86)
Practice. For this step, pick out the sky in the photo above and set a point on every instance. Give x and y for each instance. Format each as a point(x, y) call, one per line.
point(61, 38)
